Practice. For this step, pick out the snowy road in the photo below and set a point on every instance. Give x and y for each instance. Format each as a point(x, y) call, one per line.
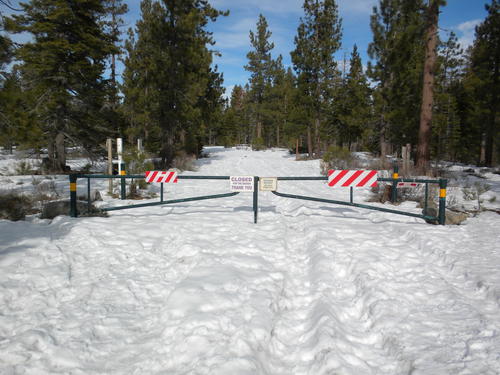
point(197, 288)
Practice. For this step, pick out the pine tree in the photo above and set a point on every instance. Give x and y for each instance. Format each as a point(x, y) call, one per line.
point(355, 104)
point(237, 129)
point(260, 65)
point(398, 51)
point(63, 67)
point(318, 38)
point(424, 133)
point(18, 127)
point(279, 102)
point(167, 74)
point(140, 77)
point(115, 9)
point(6, 50)
point(483, 80)
point(446, 121)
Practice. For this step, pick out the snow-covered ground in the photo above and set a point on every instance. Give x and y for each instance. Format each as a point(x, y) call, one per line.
point(197, 288)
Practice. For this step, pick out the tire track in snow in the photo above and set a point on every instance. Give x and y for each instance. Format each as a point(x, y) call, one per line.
point(322, 320)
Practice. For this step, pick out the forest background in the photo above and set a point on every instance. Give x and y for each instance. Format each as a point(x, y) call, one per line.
point(74, 73)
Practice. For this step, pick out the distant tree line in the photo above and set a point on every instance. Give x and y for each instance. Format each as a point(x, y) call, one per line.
point(323, 101)
point(61, 88)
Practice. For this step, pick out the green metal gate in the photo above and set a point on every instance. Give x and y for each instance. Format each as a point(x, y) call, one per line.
point(440, 218)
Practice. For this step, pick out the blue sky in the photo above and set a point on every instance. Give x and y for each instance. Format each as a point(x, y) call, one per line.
point(232, 33)
point(283, 16)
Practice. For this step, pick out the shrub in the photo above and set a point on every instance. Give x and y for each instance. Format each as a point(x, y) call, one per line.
point(258, 144)
point(23, 168)
point(336, 158)
point(184, 161)
point(137, 163)
point(15, 207)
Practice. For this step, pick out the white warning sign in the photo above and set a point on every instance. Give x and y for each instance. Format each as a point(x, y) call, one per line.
point(268, 183)
point(242, 184)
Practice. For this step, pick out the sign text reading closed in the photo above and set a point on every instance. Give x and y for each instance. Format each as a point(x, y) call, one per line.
point(243, 184)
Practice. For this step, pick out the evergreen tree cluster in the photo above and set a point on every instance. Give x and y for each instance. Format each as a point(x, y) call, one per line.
point(378, 108)
point(61, 88)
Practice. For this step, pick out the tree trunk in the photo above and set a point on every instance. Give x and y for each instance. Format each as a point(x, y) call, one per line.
point(60, 153)
point(317, 145)
point(259, 129)
point(297, 150)
point(482, 151)
point(424, 134)
point(309, 142)
point(383, 141)
point(167, 149)
point(277, 135)
point(51, 155)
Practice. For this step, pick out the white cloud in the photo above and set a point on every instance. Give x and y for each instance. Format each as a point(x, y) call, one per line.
point(356, 6)
point(281, 6)
point(236, 34)
point(292, 6)
point(465, 32)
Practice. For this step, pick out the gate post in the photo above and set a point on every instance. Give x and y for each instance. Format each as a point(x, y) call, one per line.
point(394, 190)
point(255, 198)
point(123, 193)
point(442, 201)
point(72, 195)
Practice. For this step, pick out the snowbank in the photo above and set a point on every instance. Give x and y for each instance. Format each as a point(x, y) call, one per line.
point(197, 288)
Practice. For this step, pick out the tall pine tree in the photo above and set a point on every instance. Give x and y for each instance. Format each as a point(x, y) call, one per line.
point(446, 120)
point(430, 65)
point(63, 66)
point(260, 65)
point(355, 104)
point(168, 75)
point(318, 38)
point(484, 82)
point(398, 53)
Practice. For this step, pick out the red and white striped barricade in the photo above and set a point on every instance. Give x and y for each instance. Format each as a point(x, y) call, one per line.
point(352, 178)
point(161, 176)
point(403, 185)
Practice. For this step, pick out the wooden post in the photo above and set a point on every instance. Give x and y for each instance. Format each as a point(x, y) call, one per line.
point(406, 156)
point(403, 156)
point(109, 146)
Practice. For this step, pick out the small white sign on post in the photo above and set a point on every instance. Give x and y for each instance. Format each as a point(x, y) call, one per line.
point(119, 151)
point(241, 184)
point(408, 185)
point(268, 183)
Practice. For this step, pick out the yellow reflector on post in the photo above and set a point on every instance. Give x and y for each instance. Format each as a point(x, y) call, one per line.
point(122, 173)
point(395, 175)
point(72, 186)
point(442, 193)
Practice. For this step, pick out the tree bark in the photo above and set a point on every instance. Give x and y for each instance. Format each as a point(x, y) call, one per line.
point(317, 140)
point(383, 142)
point(51, 155)
point(309, 142)
point(482, 150)
point(278, 135)
point(424, 134)
point(60, 153)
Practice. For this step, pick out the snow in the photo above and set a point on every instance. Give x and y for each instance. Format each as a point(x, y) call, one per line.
point(198, 288)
